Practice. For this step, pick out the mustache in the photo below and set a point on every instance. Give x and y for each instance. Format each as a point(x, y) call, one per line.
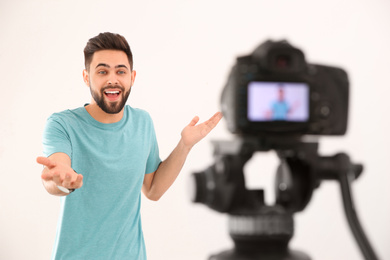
point(122, 89)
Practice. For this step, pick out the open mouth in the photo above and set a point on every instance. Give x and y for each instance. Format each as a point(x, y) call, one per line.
point(112, 95)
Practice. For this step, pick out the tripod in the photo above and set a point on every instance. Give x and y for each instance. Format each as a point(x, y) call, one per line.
point(262, 232)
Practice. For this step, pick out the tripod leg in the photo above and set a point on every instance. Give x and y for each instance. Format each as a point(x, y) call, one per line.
point(345, 178)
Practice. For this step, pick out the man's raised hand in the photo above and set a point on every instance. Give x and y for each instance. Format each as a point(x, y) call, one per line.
point(193, 133)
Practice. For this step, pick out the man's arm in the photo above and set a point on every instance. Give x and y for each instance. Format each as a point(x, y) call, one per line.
point(157, 183)
point(58, 172)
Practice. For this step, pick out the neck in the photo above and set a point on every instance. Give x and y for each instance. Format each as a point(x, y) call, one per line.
point(99, 115)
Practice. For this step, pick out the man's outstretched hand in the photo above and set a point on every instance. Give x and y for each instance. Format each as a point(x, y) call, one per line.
point(193, 133)
point(60, 173)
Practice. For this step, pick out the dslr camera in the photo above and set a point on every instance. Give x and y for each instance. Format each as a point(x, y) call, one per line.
point(273, 99)
point(274, 91)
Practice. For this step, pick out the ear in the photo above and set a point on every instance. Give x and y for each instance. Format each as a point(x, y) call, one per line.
point(133, 74)
point(86, 77)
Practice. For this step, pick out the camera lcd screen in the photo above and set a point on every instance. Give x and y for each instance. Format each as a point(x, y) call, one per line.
point(278, 101)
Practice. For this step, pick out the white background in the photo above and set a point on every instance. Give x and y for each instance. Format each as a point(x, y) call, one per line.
point(183, 52)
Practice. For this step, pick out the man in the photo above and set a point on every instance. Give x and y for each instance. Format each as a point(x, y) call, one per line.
point(280, 108)
point(99, 157)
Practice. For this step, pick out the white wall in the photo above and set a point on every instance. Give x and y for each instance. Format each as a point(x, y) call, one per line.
point(183, 51)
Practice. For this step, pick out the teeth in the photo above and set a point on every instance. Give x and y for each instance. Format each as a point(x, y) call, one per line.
point(111, 92)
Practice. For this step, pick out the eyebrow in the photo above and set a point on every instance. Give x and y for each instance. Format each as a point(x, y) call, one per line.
point(108, 66)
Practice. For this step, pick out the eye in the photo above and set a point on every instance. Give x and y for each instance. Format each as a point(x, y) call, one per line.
point(102, 72)
point(121, 72)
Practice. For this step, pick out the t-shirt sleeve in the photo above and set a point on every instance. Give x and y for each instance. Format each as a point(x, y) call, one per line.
point(154, 156)
point(56, 138)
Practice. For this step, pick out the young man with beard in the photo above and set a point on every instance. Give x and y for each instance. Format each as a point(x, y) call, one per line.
point(99, 157)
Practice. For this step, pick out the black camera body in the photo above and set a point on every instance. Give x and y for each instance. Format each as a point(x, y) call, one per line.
point(274, 91)
point(272, 99)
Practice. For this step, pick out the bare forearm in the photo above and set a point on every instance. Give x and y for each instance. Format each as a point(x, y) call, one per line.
point(168, 171)
point(157, 183)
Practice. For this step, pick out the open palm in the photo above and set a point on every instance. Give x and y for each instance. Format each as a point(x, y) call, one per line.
point(193, 133)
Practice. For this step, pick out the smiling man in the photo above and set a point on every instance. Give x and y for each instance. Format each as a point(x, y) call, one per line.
point(100, 156)
point(115, 80)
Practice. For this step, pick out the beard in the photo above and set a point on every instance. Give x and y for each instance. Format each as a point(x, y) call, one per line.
point(110, 107)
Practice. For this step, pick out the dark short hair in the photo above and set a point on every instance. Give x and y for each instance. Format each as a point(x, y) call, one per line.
point(106, 41)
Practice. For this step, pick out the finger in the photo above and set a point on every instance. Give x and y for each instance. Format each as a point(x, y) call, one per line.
point(57, 178)
point(46, 162)
point(216, 117)
point(72, 181)
point(194, 121)
point(75, 178)
point(79, 182)
point(214, 120)
point(67, 180)
point(46, 176)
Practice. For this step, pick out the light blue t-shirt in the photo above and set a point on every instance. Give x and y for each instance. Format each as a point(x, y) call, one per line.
point(280, 110)
point(101, 220)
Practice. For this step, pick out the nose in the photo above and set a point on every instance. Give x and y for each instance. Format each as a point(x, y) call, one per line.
point(112, 81)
